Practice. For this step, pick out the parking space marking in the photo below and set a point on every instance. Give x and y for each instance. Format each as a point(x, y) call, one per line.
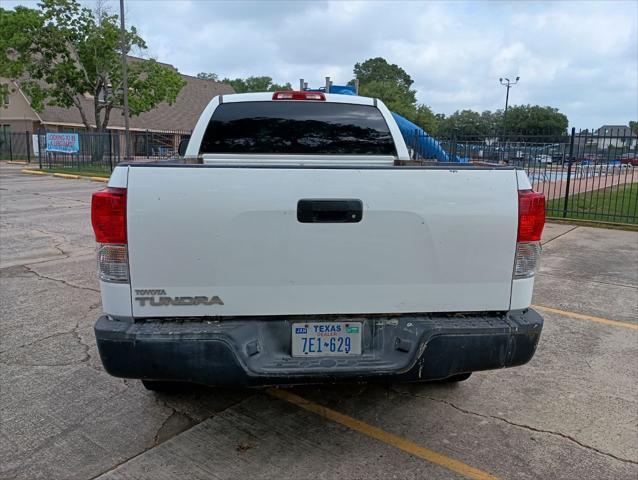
point(590, 318)
point(383, 436)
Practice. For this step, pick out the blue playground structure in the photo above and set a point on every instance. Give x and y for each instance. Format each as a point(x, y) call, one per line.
point(415, 137)
point(420, 142)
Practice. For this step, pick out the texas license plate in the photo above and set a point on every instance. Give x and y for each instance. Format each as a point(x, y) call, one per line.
point(326, 339)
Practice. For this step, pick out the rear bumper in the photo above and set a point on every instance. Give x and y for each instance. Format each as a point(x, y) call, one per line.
point(256, 352)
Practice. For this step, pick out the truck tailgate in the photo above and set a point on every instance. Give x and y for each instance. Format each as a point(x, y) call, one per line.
point(226, 241)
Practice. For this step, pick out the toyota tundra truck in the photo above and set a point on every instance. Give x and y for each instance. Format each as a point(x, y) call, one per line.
point(295, 243)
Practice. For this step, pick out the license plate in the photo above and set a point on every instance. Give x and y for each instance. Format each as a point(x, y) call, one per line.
point(326, 339)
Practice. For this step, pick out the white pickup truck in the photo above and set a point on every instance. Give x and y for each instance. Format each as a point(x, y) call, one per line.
point(292, 245)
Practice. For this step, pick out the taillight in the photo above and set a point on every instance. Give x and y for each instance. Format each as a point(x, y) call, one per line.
point(108, 216)
point(531, 216)
point(531, 220)
point(292, 95)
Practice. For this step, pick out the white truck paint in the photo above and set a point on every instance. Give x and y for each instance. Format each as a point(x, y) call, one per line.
point(430, 240)
point(293, 246)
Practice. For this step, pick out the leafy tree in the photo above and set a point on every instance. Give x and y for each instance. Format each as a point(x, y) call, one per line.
point(521, 120)
point(377, 78)
point(392, 95)
point(491, 122)
point(634, 127)
point(466, 123)
point(389, 82)
point(379, 70)
point(426, 119)
point(255, 84)
point(62, 52)
point(208, 76)
point(535, 120)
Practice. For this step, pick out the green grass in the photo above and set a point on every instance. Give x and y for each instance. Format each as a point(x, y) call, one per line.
point(613, 204)
point(89, 172)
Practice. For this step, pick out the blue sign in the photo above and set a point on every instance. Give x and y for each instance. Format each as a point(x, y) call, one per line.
point(63, 142)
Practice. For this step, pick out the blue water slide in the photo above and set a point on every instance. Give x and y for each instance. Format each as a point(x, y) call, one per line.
point(424, 145)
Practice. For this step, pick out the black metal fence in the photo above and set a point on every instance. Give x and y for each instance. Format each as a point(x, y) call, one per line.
point(588, 175)
point(88, 152)
point(16, 146)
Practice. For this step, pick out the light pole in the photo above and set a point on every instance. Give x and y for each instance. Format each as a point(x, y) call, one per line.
point(508, 84)
point(125, 80)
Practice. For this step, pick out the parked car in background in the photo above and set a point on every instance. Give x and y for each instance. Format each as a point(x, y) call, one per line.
point(538, 158)
point(629, 158)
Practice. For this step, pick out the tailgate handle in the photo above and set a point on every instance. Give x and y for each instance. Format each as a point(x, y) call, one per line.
point(329, 210)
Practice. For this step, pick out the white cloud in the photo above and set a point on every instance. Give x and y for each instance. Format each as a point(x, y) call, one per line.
point(581, 57)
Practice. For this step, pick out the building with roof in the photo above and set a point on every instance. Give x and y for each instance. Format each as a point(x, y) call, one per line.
point(17, 116)
point(614, 136)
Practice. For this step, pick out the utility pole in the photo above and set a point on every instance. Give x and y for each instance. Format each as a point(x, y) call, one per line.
point(508, 84)
point(125, 81)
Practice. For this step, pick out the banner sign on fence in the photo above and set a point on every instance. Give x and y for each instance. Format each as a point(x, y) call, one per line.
point(63, 142)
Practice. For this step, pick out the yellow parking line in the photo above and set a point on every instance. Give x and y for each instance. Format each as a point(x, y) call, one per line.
point(590, 318)
point(382, 435)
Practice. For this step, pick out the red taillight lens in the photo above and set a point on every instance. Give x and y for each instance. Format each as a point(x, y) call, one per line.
point(290, 95)
point(108, 215)
point(531, 215)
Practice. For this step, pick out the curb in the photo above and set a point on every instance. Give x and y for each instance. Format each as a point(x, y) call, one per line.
point(594, 223)
point(17, 162)
point(65, 175)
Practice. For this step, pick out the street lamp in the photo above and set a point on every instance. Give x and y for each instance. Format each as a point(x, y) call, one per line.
point(508, 84)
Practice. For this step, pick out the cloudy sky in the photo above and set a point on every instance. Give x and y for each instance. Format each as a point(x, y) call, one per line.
point(581, 57)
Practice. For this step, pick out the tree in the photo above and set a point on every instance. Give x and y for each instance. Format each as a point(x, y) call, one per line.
point(633, 127)
point(536, 120)
point(379, 70)
point(208, 76)
point(250, 84)
point(379, 79)
point(256, 84)
point(491, 122)
point(62, 52)
point(521, 120)
point(468, 124)
point(389, 82)
point(426, 119)
point(392, 95)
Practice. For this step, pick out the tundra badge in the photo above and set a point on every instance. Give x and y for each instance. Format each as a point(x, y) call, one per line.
point(158, 298)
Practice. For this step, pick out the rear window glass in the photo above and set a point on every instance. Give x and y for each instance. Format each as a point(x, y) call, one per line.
point(298, 128)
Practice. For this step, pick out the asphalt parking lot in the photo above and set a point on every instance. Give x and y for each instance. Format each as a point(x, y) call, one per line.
point(571, 413)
